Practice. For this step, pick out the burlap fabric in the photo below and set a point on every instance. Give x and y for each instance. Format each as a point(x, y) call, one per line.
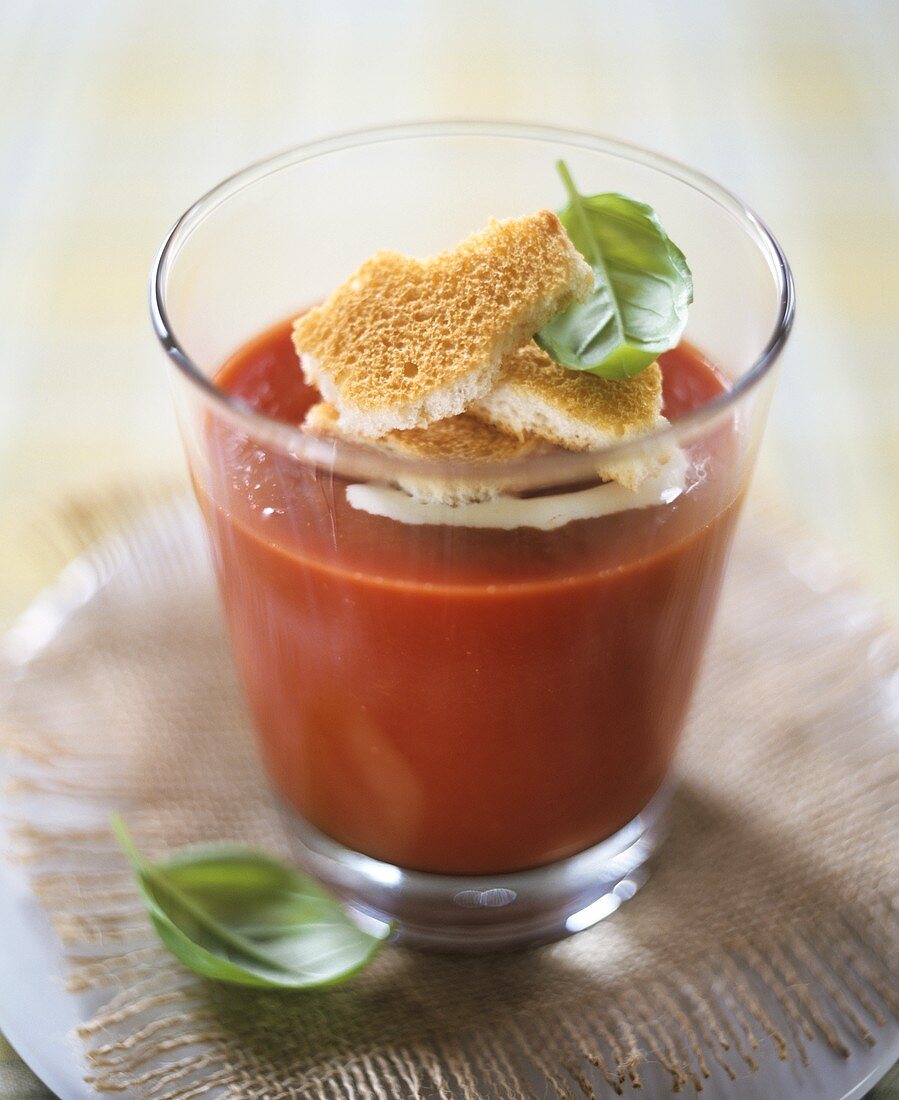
point(769, 922)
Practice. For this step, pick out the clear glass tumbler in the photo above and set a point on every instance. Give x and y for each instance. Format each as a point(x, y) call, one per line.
point(472, 724)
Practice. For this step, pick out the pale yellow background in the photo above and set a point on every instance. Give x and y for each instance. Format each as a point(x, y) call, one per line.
point(115, 114)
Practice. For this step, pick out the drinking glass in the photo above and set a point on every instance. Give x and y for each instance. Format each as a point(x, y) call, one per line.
point(472, 728)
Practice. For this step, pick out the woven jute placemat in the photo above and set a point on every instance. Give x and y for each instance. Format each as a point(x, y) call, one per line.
point(777, 886)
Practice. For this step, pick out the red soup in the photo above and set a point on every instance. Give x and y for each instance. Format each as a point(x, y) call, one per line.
point(456, 699)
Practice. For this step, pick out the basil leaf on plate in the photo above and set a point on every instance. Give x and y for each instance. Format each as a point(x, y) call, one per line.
point(643, 286)
point(235, 915)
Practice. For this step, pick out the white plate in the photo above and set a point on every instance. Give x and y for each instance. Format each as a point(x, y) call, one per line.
point(39, 1017)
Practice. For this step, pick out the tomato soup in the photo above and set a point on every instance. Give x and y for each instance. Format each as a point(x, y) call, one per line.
point(454, 699)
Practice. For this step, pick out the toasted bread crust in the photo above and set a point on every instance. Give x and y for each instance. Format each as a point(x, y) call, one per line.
point(576, 410)
point(614, 407)
point(405, 342)
point(460, 438)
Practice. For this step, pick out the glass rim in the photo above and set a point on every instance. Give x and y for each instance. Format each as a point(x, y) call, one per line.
point(336, 454)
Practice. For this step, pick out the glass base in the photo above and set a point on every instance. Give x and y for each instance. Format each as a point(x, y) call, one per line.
point(479, 913)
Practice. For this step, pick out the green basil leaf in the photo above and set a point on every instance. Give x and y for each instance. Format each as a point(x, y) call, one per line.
point(236, 915)
point(642, 288)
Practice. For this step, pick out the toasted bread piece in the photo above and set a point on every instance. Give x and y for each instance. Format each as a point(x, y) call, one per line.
point(405, 342)
point(459, 438)
point(576, 410)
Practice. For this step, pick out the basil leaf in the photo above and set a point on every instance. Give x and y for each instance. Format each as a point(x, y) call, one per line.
point(235, 915)
point(642, 288)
